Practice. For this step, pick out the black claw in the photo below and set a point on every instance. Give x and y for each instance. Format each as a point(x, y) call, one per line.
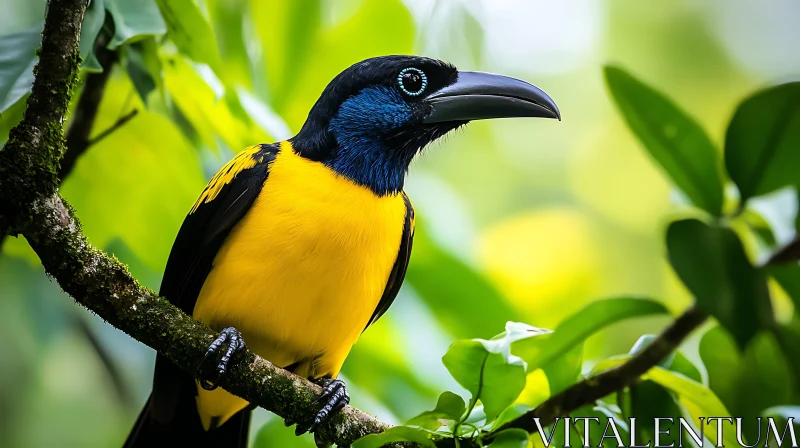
point(319, 442)
point(334, 397)
point(235, 342)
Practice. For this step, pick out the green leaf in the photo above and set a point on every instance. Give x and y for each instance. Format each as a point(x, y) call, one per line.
point(723, 362)
point(510, 438)
point(672, 138)
point(699, 399)
point(788, 277)
point(648, 401)
point(788, 336)
point(564, 370)
point(133, 19)
point(712, 263)
point(488, 371)
point(762, 367)
point(760, 227)
point(17, 58)
point(601, 415)
point(676, 361)
point(92, 24)
point(190, 30)
point(539, 351)
point(784, 412)
point(138, 71)
point(762, 144)
point(449, 407)
point(397, 434)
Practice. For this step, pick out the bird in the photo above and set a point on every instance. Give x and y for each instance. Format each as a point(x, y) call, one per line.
point(295, 248)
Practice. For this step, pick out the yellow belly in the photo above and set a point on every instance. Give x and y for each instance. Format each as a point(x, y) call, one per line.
point(301, 274)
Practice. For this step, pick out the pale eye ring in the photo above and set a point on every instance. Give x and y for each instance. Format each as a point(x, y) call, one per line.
point(412, 81)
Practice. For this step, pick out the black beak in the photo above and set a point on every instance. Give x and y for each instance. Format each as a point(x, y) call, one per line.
point(480, 96)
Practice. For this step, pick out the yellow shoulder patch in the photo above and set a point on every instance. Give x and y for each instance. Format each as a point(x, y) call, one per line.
point(243, 160)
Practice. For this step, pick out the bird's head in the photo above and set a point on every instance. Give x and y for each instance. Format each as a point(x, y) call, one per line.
point(375, 116)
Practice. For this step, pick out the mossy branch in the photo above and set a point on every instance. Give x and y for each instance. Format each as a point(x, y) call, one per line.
point(30, 205)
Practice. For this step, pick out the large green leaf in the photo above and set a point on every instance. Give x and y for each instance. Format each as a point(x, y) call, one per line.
point(190, 30)
point(762, 367)
point(788, 276)
point(449, 407)
point(762, 144)
point(711, 262)
point(675, 361)
point(397, 434)
point(17, 58)
point(134, 18)
point(697, 398)
point(672, 138)
point(538, 352)
point(92, 23)
point(510, 438)
point(488, 370)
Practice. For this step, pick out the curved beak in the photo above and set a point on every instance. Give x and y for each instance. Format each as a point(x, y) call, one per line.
point(480, 96)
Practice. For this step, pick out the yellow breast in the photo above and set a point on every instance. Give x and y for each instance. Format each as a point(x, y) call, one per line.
point(301, 274)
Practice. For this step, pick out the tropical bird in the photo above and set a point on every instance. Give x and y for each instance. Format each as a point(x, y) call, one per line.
point(297, 247)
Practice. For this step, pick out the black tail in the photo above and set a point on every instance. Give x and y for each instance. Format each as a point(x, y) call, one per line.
point(148, 432)
point(180, 425)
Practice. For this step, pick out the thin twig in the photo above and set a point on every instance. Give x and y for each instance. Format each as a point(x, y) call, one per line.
point(596, 387)
point(118, 124)
point(82, 120)
point(787, 254)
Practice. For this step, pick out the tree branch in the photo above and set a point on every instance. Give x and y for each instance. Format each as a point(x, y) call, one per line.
point(30, 204)
point(82, 120)
point(596, 387)
point(786, 254)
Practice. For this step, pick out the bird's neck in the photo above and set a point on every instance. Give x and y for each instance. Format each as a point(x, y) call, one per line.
point(371, 164)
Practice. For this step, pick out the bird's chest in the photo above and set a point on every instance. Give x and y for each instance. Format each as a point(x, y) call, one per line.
point(303, 271)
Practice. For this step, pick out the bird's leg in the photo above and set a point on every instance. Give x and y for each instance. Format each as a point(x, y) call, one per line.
point(235, 341)
point(334, 397)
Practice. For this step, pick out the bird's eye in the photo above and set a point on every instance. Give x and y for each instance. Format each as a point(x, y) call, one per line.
point(412, 81)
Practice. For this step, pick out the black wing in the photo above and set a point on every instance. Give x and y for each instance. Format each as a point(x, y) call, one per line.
point(400, 265)
point(224, 201)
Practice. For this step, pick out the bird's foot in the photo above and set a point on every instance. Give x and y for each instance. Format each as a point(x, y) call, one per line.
point(235, 342)
point(334, 397)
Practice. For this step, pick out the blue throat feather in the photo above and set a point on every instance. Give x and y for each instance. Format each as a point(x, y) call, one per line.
point(365, 127)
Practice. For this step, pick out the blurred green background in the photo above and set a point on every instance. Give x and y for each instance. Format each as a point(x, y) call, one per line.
point(518, 220)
